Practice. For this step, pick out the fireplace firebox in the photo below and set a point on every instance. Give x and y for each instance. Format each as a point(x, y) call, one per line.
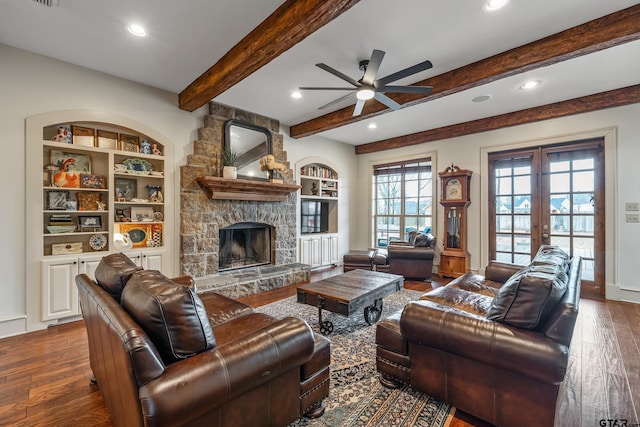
point(245, 244)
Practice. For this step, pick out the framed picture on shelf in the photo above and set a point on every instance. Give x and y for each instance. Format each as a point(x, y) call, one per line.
point(83, 136)
point(129, 143)
point(57, 200)
point(92, 181)
point(143, 235)
point(90, 223)
point(141, 214)
point(126, 189)
point(70, 167)
point(89, 201)
point(107, 139)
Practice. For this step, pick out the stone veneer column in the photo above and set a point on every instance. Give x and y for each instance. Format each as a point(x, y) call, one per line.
point(201, 218)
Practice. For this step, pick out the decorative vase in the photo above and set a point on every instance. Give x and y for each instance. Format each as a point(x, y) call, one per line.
point(229, 172)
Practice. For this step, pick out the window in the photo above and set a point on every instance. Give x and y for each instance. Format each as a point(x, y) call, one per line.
point(402, 200)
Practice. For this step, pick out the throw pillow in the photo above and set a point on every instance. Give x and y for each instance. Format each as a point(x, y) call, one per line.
point(529, 296)
point(422, 240)
point(113, 273)
point(172, 315)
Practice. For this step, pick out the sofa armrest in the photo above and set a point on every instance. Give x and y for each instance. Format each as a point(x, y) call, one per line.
point(185, 280)
point(493, 343)
point(190, 388)
point(501, 271)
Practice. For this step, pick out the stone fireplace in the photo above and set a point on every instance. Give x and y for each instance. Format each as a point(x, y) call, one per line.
point(206, 222)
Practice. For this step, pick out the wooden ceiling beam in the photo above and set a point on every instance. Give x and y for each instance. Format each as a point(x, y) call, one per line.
point(585, 104)
point(601, 33)
point(291, 23)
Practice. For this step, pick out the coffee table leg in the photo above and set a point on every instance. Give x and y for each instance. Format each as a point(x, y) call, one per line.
point(373, 312)
point(326, 327)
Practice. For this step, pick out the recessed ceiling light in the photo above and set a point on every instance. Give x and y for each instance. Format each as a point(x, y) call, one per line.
point(531, 84)
point(296, 95)
point(481, 98)
point(136, 30)
point(372, 126)
point(493, 5)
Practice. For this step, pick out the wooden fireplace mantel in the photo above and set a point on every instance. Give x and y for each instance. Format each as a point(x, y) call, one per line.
point(246, 189)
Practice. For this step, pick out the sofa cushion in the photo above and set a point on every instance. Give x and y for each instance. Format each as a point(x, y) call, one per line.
point(172, 315)
point(529, 296)
point(113, 273)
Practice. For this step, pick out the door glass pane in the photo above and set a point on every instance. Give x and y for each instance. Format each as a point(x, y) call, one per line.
point(588, 270)
point(522, 224)
point(521, 259)
point(503, 205)
point(560, 224)
point(583, 164)
point(503, 224)
point(563, 243)
point(522, 185)
point(583, 247)
point(503, 257)
point(583, 203)
point(522, 204)
point(560, 182)
point(523, 244)
point(560, 203)
point(583, 225)
point(503, 243)
point(559, 166)
point(583, 181)
point(503, 186)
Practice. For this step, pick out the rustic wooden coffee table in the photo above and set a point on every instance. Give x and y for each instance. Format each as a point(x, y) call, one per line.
point(346, 293)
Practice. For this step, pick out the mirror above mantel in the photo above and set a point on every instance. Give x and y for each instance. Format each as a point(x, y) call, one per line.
point(251, 143)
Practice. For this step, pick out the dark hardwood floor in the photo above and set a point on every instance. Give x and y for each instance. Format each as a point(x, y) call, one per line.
point(44, 375)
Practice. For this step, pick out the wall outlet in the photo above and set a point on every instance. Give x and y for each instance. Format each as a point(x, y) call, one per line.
point(633, 217)
point(632, 206)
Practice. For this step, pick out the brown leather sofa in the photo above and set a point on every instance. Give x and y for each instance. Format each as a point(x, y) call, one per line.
point(414, 258)
point(163, 355)
point(494, 346)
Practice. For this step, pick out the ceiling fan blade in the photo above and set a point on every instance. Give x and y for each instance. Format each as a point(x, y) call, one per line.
point(403, 73)
point(372, 67)
point(325, 88)
point(419, 90)
point(387, 101)
point(342, 98)
point(338, 74)
point(359, 106)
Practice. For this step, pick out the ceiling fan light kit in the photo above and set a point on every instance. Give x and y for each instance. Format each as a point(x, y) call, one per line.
point(369, 87)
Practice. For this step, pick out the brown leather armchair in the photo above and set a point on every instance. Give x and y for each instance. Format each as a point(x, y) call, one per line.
point(414, 258)
point(163, 355)
point(494, 346)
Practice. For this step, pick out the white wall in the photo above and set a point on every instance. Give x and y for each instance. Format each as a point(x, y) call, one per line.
point(32, 84)
point(340, 157)
point(621, 129)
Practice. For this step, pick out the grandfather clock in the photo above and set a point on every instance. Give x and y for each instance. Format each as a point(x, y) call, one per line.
point(454, 260)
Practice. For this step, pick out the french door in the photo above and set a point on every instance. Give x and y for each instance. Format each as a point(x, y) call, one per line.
point(550, 195)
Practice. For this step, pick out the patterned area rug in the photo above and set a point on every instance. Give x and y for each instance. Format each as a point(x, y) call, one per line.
point(356, 397)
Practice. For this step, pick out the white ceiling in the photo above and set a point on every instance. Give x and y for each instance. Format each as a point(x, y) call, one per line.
point(187, 37)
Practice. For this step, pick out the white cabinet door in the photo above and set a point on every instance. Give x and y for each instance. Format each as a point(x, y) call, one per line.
point(152, 260)
point(331, 242)
point(88, 265)
point(310, 251)
point(59, 292)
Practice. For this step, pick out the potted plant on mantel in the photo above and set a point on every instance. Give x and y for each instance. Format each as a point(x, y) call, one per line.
point(230, 163)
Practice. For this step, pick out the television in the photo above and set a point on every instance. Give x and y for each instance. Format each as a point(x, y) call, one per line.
point(314, 216)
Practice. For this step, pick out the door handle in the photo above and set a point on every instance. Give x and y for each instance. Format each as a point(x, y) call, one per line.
point(545, 236)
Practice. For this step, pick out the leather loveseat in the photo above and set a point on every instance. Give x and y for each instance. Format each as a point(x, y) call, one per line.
point(495, 346)
point(414, 258)
point(163, 355)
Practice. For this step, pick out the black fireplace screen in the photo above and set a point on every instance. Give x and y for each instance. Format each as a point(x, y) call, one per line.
point(245, 244)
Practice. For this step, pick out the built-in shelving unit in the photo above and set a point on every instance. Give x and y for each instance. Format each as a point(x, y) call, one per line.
point(319, 195)
point(95, 187)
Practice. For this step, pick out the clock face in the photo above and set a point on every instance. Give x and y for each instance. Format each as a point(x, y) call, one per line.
point(453, 190)
point(98, 242)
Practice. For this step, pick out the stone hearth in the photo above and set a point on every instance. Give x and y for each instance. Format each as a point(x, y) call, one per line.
point(202, 218)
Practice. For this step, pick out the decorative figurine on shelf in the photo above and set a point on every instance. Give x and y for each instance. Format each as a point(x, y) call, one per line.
point(145, 147)
point(155, 194)
point(63, 135)
point(156, 150)
point(268, 163)
point(314, 188)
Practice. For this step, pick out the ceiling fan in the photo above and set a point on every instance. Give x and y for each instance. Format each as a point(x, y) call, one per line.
point(369, 87)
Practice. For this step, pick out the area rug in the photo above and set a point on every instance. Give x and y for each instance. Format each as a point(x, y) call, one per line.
point(356, 397)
